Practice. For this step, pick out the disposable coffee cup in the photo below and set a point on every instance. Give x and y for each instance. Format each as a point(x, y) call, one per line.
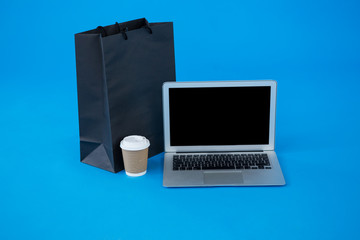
point(135, 154)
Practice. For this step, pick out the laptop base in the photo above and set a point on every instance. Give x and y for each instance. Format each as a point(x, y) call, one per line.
point(222, 177)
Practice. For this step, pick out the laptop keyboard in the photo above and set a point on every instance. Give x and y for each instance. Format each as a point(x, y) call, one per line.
point(220, 161)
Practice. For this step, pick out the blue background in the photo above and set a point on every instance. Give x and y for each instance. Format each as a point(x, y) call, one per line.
point(310, 47)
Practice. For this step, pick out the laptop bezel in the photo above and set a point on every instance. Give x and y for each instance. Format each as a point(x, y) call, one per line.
point(216, 148)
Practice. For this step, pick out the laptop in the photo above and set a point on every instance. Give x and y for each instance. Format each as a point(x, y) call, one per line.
point(220, 133)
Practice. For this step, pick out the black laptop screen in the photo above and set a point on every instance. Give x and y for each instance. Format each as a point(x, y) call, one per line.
point(219, 116)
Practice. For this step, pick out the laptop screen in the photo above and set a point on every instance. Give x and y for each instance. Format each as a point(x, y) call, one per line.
point(219, 116)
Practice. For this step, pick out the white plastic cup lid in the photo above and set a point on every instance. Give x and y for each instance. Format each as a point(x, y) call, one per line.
point(134, 143)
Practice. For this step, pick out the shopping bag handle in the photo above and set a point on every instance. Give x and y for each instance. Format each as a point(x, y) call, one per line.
point(102, 31)
point(123, 28)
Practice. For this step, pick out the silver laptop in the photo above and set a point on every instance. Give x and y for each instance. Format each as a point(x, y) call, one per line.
point(220, 134)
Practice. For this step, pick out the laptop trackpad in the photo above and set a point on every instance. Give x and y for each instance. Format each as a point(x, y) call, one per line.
point(219, 178)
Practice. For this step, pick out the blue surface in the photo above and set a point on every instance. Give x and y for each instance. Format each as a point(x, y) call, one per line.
point(310, 47)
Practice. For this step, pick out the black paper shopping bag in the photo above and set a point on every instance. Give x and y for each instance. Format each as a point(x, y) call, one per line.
point(120, 72)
